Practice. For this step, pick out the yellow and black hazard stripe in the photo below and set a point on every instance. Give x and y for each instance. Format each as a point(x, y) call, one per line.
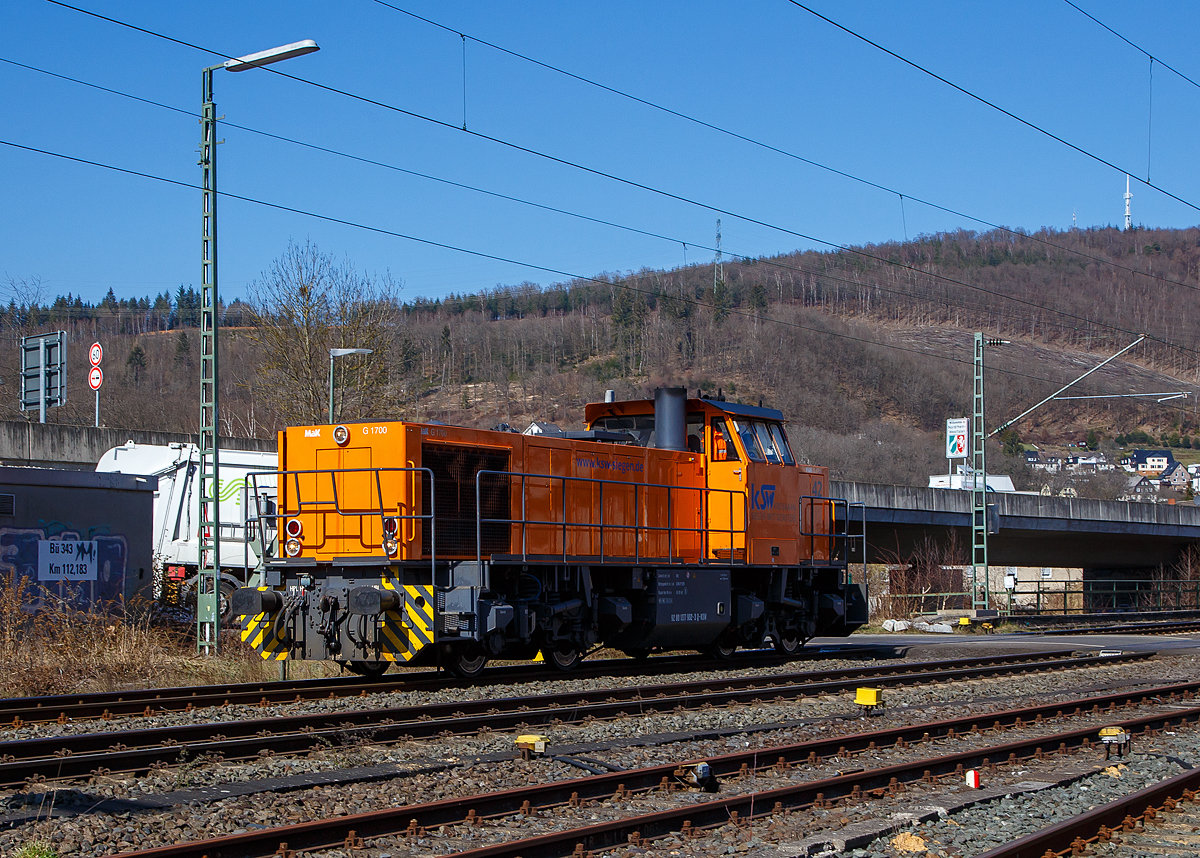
point(266, 634)
point(402, 633)
point(409, 629)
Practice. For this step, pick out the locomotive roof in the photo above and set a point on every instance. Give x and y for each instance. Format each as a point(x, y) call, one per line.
point(596, 410)
point(740, 410)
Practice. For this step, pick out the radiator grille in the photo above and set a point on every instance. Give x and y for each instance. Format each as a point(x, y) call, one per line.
point(8, 504)
point(454, 468)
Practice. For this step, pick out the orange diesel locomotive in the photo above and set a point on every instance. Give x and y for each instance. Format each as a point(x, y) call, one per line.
point(670, 523)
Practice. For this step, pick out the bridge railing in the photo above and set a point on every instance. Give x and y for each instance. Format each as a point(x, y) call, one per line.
point(1049, 597)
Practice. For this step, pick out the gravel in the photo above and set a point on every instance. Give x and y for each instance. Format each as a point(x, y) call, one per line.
point(104, 834)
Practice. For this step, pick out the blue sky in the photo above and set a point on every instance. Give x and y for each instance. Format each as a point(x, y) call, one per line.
point(767, 70)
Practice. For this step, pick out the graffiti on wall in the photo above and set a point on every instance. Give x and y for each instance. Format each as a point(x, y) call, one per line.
point(19, 563)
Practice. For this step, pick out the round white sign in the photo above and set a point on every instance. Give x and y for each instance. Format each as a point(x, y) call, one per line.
point(96, 353)
point(95, 378)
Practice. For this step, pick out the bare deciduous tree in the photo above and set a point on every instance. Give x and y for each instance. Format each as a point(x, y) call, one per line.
point(307, 304)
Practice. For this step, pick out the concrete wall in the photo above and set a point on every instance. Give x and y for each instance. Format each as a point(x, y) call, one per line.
point(80, 447)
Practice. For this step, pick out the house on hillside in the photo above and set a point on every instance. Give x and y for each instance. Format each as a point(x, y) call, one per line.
point(1175, 476)
point(1048, 462)
point(1148, 463)
point(1091, 463)
point(1138, 488)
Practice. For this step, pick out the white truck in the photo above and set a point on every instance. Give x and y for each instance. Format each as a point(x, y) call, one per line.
point(176, 527)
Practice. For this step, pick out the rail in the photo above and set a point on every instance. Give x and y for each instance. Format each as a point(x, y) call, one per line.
point(703, 530)
point(1133, 813)
point(266, 517)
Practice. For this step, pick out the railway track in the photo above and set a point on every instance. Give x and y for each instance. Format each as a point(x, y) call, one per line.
point(689, 818)
point(1159, 628)
point(87, 754)
point(158, 701)
point(1161, 820)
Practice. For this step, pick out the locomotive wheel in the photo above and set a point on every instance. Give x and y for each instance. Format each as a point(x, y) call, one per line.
point(788, 644)
point(369, 669)
point(563, 659)
point(467, 662)
point(720, 650)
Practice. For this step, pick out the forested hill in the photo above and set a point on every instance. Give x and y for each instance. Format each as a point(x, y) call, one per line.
point(867, 351)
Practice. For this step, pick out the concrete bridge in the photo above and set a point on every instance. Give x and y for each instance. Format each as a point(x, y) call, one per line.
point(1035, 530)
point(78, 448)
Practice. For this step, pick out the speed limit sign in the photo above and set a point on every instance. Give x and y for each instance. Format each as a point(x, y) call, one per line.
point(96, 354)
point(95, 378)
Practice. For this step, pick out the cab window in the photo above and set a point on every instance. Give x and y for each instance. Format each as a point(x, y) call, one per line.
point(745, 431)
point(763, 434)
point(722, 444)
point(781, 444)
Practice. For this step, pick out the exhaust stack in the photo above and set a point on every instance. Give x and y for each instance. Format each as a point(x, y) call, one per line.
point(670, 418)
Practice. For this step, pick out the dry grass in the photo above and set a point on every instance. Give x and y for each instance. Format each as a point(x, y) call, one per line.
point(49, 647)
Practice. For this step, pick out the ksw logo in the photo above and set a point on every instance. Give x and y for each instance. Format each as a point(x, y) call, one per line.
point(763, 497)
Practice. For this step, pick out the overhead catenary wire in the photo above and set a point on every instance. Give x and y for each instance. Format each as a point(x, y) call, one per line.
point(1027, 123)
point(585, 278)
point(768, 146)
point(508, 260)
point(881, 260)
point(774, 263)
point(824, 275)
point(613, 177)
point(521, 201)
point(1133, 45)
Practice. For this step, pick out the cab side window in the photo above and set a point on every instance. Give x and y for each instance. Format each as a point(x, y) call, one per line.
point(722, 445)
point(695, 433)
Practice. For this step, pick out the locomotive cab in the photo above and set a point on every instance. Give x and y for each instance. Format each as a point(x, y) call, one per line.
point(743, 451)
point(671, 523)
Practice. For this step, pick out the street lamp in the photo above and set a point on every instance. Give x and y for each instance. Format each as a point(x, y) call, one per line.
point(337, 353)
point(208, 589)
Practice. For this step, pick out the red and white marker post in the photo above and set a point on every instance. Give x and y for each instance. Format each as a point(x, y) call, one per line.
point(96, 375)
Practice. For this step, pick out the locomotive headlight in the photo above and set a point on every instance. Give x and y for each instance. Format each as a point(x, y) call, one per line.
point(294, 528)
point(390, 526)
point(292, 547)
point(341, 435)
point(390, 546)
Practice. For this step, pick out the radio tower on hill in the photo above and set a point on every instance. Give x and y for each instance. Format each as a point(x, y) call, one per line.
point(1128, 197)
